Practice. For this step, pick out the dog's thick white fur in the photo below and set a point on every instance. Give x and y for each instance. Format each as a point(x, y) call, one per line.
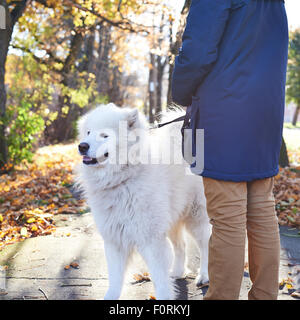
point(138, 206)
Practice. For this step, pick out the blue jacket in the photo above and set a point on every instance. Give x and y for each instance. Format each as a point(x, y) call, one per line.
point(231, 69)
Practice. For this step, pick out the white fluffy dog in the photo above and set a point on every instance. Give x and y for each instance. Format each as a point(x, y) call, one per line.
point(137, 202)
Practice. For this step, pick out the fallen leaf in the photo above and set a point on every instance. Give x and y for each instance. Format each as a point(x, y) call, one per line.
point(281, 284)
point(30, 220)
point(139, 277)
point(74, 265)
point(34, 228)
point(55, 199)
point(289, 286)
point(23, 231)
point(296, 294)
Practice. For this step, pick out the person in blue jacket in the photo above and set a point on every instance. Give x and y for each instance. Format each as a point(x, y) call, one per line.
point(231, 72)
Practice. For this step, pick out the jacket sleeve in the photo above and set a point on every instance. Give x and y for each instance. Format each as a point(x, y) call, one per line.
point(204, 29)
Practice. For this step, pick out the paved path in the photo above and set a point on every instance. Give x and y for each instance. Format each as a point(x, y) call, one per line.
point(36, 267)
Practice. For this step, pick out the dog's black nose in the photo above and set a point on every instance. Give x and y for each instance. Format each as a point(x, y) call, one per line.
point(83, 147)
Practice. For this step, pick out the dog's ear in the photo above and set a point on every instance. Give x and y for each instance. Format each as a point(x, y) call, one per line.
point(132, 118)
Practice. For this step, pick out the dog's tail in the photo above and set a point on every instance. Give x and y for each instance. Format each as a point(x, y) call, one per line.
point(169, 136)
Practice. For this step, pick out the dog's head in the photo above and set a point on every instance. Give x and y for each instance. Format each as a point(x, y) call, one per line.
point(104, 134)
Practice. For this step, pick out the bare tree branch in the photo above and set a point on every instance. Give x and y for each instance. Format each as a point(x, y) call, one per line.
point(124, 24)
point(37, 59)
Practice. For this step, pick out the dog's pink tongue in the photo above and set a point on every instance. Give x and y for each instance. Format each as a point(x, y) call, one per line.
point(86, 158)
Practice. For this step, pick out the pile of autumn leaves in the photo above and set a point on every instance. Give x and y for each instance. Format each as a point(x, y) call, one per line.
point(287, 195)
point(32, 194)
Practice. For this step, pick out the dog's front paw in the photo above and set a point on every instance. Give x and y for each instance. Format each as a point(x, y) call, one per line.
point(202, 279)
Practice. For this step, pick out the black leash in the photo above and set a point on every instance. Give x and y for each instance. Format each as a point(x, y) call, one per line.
point(164, 124)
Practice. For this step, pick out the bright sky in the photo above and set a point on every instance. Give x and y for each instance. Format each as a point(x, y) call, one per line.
point(293, 12)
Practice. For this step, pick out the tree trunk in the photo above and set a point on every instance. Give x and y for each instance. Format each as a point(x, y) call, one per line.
point(169, 93)
point(283, 157)
point(160, 68)
point(102, 62)
point(174, 46)
point(86, 54)
point(152, 88)
point(5, 35)
point(159, 76)
point(295, 118)
point(116, 93)
point(11, 19)
point(61, 128)
point(160, 65)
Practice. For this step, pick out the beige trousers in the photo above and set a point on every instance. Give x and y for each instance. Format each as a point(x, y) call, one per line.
point(237, 209)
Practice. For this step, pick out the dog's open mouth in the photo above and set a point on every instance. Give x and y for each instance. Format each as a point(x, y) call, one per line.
point(101, 160)
point(89, 160)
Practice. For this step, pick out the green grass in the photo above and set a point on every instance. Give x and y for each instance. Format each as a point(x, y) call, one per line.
point(289, 125)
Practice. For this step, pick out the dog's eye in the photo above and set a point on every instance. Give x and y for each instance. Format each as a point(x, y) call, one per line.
point(88, 132)
point(104, 135)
